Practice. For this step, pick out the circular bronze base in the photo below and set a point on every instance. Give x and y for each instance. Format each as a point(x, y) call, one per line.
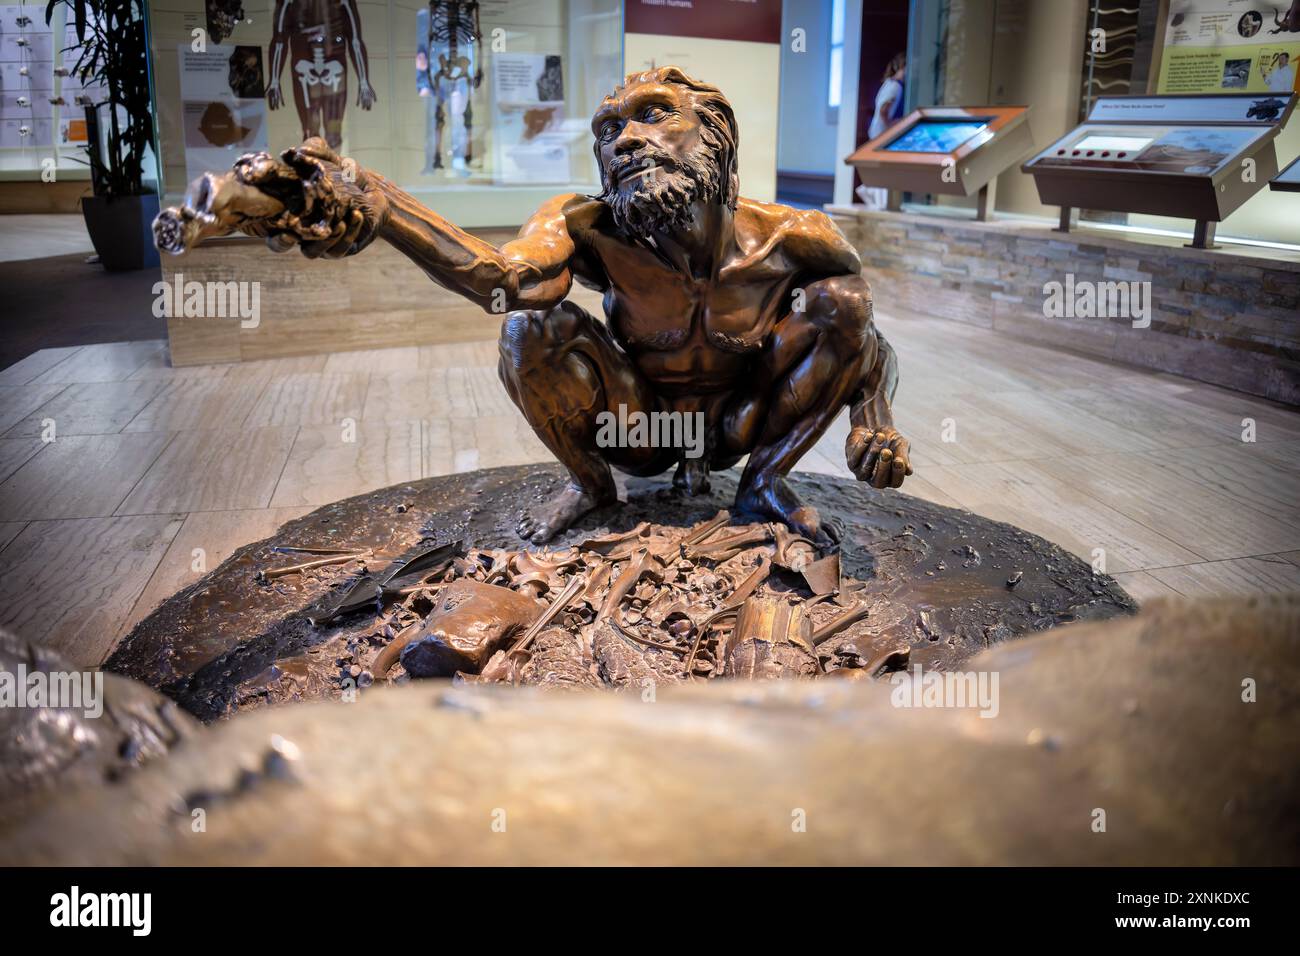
point(942, 582)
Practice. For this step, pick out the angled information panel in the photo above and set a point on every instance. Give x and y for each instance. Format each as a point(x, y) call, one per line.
point(948, 150)
point(1194, 157)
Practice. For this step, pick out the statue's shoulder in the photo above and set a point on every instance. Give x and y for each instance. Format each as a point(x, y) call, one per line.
point(807, 236)
point(576, 212)
point(571, 214)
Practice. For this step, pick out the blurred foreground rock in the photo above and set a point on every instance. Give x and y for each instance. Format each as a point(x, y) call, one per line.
point(1137, 722)
point(118, 725)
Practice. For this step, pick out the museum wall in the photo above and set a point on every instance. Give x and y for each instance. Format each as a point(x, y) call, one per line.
point(42, 129)
point(1008, 53)
point(1037, 59)
point(807, 128)
point(740, 55)
point(523, 148)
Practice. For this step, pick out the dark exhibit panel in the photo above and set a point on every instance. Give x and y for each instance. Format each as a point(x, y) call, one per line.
point(1194, 157)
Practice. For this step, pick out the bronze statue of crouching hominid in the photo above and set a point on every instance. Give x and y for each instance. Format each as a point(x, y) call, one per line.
point(752, 315)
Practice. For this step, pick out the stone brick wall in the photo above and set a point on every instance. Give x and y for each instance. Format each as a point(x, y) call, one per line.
point(1227, 316)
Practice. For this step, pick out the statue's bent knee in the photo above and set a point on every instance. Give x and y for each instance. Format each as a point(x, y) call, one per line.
point(841, 305)
point(534, 338)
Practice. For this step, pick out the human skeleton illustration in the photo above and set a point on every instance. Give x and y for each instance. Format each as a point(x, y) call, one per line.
point(449, 67)
point(318, 36)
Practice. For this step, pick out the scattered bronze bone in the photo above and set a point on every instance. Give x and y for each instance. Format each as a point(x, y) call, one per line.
point(271, 574)
point(823, 575)
point(793, 552)
point(649, 604)
point(832, 627)
point(562, 600)
point(772, 638)
point(723, 548)
point(389, 655)
point(893, 659)
point(616, 545)
point(642, 565)
point(286, 549)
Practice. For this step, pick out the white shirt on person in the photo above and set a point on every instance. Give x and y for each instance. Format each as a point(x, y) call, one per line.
point(889, 90)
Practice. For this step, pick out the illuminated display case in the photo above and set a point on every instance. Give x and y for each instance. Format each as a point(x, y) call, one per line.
point(954, 151)
point(1195, 157)
point(481, 109)
point(42, 115)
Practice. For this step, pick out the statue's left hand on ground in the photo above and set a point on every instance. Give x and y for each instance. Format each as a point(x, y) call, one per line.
point(878, 456)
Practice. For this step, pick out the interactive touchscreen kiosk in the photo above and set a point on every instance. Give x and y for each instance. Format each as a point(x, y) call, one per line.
point(951, 151)
point(1195, 157)
point(1288, 180)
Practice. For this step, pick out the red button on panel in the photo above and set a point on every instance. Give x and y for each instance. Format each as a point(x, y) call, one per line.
point(1075, 153)
point(1060, 152)
point(1105, 153)
point(1121, 155)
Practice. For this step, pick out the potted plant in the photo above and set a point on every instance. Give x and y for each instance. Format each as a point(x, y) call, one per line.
point(114, 56)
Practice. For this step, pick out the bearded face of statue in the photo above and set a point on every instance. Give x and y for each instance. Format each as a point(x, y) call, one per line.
point(655, 158)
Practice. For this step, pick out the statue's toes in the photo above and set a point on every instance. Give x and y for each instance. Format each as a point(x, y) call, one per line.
point(805, 520)
point(542, 534)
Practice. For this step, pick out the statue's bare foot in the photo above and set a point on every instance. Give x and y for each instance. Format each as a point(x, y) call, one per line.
point(544, 521)
point(772, 498)
point(692, 476)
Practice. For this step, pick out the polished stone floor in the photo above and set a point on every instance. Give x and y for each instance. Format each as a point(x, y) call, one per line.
point(157, 474)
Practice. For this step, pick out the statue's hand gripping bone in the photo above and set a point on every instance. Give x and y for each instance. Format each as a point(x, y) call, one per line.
point(309, 196)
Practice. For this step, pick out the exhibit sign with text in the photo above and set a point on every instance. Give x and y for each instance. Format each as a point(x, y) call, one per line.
point(223, 110)
point(1229, 46)
point(532, 140)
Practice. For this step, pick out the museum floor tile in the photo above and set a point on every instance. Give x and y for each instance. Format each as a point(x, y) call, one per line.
point(157, 474)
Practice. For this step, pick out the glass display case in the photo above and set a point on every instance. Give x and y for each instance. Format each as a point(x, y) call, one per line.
point(42, 116)
point(481, 109)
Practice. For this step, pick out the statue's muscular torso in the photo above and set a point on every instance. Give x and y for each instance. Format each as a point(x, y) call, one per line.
point(695, 332)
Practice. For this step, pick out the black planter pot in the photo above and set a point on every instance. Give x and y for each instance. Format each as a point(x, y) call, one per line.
point(121, 230)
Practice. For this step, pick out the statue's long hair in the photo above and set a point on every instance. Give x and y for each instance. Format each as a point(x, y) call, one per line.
point(718, 127)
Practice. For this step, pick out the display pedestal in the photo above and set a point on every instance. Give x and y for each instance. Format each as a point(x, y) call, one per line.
point(943, 583)
point(1203, 235)
point(987, 197)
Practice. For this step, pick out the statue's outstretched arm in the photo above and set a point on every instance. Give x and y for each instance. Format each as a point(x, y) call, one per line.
point(330, 207)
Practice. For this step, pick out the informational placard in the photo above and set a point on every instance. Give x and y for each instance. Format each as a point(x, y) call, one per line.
point(223, 109)
point(1230, 46)
point(531, 138)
